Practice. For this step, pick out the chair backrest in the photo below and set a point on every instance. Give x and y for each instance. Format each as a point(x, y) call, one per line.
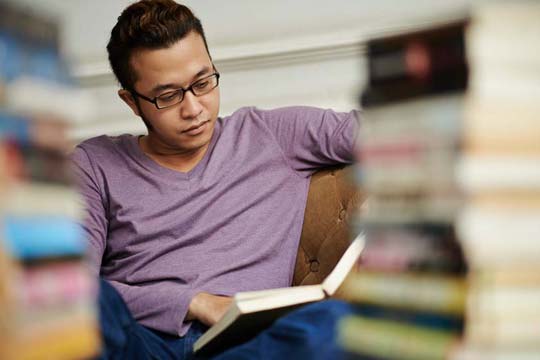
point(333, 201)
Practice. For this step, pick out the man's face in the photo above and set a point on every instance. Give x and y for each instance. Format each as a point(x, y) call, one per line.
point(183, 127)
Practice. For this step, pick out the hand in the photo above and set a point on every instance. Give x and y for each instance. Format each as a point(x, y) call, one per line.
point(208, 308)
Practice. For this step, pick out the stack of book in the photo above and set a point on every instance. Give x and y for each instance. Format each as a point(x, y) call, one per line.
point(410, 285)
point(500, 174)
point(47, 295)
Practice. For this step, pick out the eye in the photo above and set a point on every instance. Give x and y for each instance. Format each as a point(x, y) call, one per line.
point(168, 96)
point(201, 84)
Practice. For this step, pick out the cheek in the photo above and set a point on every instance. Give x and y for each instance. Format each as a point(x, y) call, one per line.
point(166, 121)
point(212, 104)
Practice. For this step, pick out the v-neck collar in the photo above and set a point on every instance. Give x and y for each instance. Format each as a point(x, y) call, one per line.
point(170, 173)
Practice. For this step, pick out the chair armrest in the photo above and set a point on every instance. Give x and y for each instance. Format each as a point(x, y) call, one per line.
point(333, 201)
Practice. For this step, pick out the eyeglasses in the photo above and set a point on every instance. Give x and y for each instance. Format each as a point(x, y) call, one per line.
point(198, 88)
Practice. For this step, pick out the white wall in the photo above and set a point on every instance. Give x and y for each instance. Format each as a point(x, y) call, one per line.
point(270, 53)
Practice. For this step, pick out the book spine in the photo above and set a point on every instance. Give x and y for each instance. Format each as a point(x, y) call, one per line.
point(423, 292)
point(518, 334)
point(388, 340)
point(410, 208)
point(412, 318)
point(476, 224)
point(31, 46)
point(30, 163)
point(34, 237)
point(33, 198)
point(414, 248)
point(413, 65)
point(40, 131)
point(51, 285)
point(40, 319)
point(45, 166)
point(14, 128)
point(79, 340)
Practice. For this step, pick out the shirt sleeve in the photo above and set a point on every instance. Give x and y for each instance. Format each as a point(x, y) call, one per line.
point(95, 221)
point(162, 305)
point(312, 138)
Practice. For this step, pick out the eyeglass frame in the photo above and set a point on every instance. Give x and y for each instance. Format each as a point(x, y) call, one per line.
point(189, 88)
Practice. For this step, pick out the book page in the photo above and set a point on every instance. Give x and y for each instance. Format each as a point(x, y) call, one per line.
point(249, 295)
point(344, 265)
point(294, 295)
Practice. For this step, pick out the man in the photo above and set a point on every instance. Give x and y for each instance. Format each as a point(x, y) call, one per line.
point(201, 207)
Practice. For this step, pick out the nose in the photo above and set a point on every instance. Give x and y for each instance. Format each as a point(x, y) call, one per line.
point(190, 106)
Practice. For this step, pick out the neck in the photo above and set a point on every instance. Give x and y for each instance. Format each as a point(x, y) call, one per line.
point(175, 159)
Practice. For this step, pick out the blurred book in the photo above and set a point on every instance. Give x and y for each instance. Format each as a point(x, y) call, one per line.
point(415, 64)
point(48, 132)
point(382, 339)
point(25, 95)
point(498, 225)
point(420, 318)
point(54, 285)
point(412, 248)
point(419, 292)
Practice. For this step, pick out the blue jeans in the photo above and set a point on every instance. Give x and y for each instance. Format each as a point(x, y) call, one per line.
point(308, 332)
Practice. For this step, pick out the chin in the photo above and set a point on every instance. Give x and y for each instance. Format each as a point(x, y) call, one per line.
point(196, 142)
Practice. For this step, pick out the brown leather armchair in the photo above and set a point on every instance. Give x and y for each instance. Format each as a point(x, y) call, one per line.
point(332, 204)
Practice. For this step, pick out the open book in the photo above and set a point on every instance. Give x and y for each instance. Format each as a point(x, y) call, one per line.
point(251, 312)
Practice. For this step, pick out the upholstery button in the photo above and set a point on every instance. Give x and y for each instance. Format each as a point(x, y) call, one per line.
point(342, 214)
point(314, 265)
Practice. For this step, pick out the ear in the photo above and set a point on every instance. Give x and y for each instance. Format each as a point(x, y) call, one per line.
point(127, 97)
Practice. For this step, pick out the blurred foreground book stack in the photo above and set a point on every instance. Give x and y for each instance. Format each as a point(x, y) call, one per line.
point(410, 286)
point(47, 296)
point(500, 173)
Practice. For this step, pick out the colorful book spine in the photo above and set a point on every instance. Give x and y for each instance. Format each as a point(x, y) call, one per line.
point(34, 237)
point(54, 284)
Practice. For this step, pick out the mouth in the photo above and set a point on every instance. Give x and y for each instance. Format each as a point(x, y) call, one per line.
point(196, 129)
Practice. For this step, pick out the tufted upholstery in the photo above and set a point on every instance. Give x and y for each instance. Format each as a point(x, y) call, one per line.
point(332, 202)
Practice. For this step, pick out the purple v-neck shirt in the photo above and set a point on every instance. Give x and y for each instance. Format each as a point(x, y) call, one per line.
point(230, 224)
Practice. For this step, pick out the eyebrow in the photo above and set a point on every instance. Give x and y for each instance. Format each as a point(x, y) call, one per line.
point(161, 87)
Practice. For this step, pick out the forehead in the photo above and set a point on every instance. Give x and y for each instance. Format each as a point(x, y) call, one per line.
point(176, 64)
